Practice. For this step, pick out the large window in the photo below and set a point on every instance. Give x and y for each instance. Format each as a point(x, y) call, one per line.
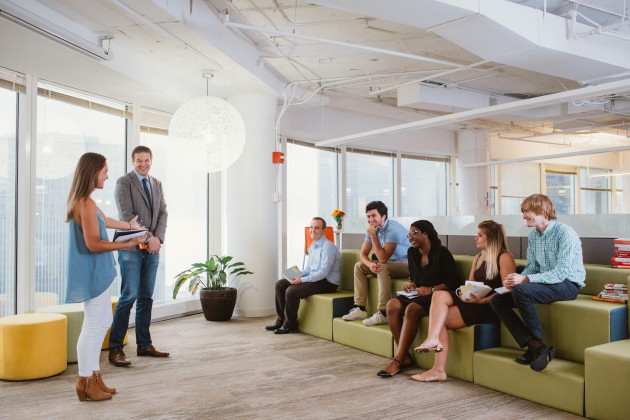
point(423, 187)
point(595, 191)
point(186, 195)
point(311, 191)
point(369, 177)
point(64, 132)
point(8, 124)
point(561, 190)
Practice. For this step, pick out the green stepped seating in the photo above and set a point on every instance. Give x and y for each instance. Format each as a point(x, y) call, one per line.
point(587, 377)
point(571, 327)
point(606, 373)
point(316, 313)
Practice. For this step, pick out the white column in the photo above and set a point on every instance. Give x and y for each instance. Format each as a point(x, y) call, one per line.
point(473, 182)
point(250, 214)
point(624, 181)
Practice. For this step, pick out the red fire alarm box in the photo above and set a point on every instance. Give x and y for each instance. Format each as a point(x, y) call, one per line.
point(277, 157)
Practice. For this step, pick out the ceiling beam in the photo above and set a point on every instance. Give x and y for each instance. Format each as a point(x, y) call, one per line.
point(545, 157)
point(490, 111)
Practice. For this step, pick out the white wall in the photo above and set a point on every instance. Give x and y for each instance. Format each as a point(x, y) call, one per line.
point(316, 124)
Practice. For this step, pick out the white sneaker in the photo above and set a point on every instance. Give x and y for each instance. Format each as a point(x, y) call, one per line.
point(354, 314)
point(376, 319)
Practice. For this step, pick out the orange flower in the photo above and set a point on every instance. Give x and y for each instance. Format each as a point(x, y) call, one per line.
point(338, 214)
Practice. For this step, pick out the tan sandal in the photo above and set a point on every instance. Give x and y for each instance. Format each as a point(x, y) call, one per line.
point(421, 378)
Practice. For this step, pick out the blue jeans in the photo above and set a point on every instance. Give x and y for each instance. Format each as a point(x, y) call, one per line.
point(525, 296)
point(138, 270)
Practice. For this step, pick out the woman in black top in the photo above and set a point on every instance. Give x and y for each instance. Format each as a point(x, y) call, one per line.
point(431, 268)
point(450, 312)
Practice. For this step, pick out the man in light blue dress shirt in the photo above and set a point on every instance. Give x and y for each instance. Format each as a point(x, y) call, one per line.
point(321, 275)
point(554, 272)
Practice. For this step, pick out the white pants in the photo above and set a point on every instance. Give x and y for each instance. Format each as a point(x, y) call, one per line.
point(96, 320)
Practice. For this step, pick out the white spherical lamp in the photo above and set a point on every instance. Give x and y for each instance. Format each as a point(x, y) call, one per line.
point(213, 123)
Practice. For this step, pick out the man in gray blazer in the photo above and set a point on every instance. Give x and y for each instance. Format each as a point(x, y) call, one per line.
point(138, 194)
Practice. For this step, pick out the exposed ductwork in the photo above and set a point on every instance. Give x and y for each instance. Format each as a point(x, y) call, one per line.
point(507, 33)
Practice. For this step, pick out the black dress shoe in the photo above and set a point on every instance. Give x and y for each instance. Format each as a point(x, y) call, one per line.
point(525, 358)
point(542, 357)
point(284, 330)
point(274, 326)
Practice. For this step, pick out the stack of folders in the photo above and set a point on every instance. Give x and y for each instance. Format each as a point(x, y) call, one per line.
point(125, 235)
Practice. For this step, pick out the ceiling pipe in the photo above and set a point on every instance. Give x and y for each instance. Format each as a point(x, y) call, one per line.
point(341, 44)
point(500, 109)
point(433, 76)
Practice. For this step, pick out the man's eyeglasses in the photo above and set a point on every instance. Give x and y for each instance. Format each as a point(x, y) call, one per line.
point(412, 233)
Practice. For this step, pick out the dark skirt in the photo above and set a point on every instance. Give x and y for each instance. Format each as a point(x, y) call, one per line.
point(423, 301)
point(473, 313)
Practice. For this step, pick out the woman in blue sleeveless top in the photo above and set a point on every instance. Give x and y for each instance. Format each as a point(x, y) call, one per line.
point(91, 270)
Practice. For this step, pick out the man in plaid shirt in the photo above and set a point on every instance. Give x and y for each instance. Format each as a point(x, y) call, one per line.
point(554, 272)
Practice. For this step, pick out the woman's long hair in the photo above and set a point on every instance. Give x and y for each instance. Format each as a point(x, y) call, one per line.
point(495, 244)
point(84, 181)
point(425, 226)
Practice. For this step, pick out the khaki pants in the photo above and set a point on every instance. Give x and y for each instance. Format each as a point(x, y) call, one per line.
point(397, 270)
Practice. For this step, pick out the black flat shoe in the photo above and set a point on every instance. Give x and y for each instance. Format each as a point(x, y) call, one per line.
point(385, 374)
point(542, 357)
point(525, 358)
point(273, 327)
point(283, 330)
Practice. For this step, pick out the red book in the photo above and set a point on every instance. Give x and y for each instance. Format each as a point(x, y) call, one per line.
point(622, 254)
point(624, 267)
point(609, 300)
point(620, 260)
point(625, 241)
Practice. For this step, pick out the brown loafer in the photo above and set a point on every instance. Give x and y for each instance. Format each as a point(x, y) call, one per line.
point(151, 352)
point(118, 358)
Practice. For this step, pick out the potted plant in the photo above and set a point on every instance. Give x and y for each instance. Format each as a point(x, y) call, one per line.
point(212, 276)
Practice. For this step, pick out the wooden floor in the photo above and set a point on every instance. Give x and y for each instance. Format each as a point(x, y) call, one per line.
point(237, 370)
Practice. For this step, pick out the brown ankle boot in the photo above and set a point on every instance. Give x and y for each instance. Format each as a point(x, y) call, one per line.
point(88, 390)
point(99, 381)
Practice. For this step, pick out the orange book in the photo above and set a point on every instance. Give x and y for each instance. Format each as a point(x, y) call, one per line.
point(609, 300)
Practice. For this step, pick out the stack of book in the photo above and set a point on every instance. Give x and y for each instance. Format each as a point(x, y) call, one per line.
point(613, 293)
point(621, 257)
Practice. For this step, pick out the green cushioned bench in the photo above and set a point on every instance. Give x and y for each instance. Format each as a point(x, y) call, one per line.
point(378, 340)
point(587, 334)
point(316, 312)
point(572, 327)
point(560, 385)
point(607, 373)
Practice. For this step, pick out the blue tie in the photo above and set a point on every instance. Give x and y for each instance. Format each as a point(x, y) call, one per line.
point(147, 191)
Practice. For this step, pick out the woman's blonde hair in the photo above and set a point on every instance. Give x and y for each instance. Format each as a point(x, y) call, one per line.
point(85, 180)
point(495, 244)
